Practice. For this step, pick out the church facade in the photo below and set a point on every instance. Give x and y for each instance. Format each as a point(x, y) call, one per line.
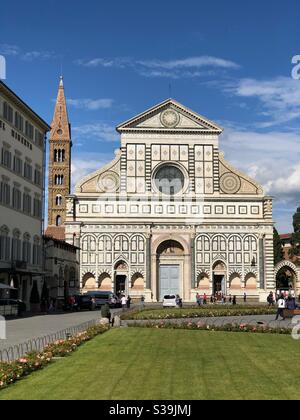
point(171, 216)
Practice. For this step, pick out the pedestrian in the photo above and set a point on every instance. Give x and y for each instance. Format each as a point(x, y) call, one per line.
point(230, 299)
point(245, 297)
point(128, 302)
point(281, 307)
point(124, 302)
point(270, 299)
point(142, 302)
point(211, 299)
point(234, 300)
point(198, 299)
point(204, 299)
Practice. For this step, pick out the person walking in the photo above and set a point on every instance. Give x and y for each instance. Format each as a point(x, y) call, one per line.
point(281, 307)
point(128, 302)
point(245, 297)
point(143, 302)
point(234, 300)
point(124, 302)
point(204, 299)
point(198, 299)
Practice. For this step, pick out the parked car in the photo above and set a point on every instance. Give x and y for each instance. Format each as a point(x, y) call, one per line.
point(101, 298)
point(170, 301)
point(85, 302)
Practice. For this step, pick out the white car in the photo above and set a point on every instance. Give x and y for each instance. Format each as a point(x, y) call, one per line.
point(169, 301)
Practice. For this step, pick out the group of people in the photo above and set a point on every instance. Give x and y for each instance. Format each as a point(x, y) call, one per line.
point(284, 300)
point(218, 297)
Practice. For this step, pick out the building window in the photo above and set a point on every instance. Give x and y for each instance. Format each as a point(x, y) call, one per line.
point(37, 208)
point(39, 138)
point(58, 221)
point(26, 248)
point(16, 246)
point(59, 155)
point(18, 165)
point(38, 177)
point(29, 130)
point(7, 112)
point(59, 179)
point(169, 180)
point(17, 198)
point(4, 244)
point(58, 200)
point(6, 158)
point(28, 171)
point(27, 203)
point(36, 254)
point(5, 193)
point(19, 121)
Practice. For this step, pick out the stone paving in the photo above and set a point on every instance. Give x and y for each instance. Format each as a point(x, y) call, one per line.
point(24, 329)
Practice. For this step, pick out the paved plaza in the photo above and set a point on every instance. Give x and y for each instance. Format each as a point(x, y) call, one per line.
point(22, 330)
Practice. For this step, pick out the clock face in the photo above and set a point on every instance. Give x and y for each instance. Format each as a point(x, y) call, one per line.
point(59, 132)
point(170, 118)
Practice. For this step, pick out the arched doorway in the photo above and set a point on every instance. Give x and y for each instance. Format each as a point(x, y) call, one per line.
point(170, 256)
point(121, 278)
point(286, 279)
point(219, 278)
point(88, 282)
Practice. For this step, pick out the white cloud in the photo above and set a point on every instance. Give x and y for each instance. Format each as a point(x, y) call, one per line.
point(91, 104)
point(97, 131)
point(86, 164)
point(14, 50)
point(279, 98)
point(181, 68)
point(190, 63)
point(270, 158)
point(9, 50)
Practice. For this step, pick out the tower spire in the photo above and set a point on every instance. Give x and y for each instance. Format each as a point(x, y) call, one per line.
point(59, 166)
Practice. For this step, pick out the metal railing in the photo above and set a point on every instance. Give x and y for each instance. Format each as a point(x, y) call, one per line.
point(8, 310)
point(38, 344)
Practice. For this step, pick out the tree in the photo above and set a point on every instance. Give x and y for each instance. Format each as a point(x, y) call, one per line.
point(278, 251)
point(295, 240)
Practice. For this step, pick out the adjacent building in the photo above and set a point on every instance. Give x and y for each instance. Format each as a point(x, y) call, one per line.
point(22, 176)
point(170, 215)
point(62, 270)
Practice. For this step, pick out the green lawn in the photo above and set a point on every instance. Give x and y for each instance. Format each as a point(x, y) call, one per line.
point(204, 311)
point(137, 363)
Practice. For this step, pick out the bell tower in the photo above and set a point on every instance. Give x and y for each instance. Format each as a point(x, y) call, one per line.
point(59, 184)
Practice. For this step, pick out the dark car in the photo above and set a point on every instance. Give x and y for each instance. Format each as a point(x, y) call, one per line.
point(85, 302)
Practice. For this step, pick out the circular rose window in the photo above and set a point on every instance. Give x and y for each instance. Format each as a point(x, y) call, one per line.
point(169, 180)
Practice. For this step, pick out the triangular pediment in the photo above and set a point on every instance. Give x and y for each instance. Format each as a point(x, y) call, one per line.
point(170, 116)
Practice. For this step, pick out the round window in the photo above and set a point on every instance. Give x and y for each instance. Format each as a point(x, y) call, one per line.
point(169, 180)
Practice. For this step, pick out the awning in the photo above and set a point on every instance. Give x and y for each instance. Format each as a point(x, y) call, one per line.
point(5, 286)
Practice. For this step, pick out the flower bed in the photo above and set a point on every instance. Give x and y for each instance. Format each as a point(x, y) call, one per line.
point(203, 312)
point(14, 371)
point(200, 326)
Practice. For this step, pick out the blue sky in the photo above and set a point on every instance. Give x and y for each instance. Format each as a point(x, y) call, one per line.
point(228, 60)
